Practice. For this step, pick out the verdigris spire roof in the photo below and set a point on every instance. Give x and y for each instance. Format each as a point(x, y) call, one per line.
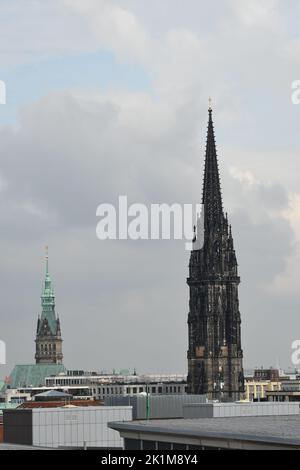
point(212, 198)
point(48, 300)
point(47, 290)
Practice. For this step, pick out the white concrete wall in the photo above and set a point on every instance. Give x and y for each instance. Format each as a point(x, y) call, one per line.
point(230, 410)
point(71, 427)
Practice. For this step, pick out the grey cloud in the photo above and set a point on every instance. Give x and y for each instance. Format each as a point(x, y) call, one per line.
point(121, 303)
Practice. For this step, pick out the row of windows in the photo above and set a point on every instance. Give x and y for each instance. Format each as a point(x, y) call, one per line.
point(134, 390)
point(118, 390)
point(254, 389)
point(134, 444)
point(65, 382)
point(50, 347)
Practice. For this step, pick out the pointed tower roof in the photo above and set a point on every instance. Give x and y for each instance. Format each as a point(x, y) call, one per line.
point(47, 290)
point(212, 197)
point(48, 300)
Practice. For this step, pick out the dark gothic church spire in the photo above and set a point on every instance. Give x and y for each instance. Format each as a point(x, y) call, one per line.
point(211, 198)
point(215, 355)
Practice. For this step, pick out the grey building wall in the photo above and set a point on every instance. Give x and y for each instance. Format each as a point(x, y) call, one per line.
point(17, 427)
point(231, 410)
point(161, 406)
point(66, 427)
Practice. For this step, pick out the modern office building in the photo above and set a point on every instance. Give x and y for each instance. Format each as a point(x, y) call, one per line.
point(288, 392)
point(156, 406)
point(257, 390)
point(90, 385)
point(253, 426)
point(65, 427)
point(104, 385)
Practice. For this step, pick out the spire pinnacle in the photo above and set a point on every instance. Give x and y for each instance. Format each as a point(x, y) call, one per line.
point(47, 259)
point(209, 104)
point(47, 298)
point(48, 290)
point(212, 199)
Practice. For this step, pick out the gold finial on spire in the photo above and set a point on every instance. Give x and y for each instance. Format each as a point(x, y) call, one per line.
point(209, 104)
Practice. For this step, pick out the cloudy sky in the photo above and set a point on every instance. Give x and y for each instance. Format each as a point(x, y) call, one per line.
point(109, 97)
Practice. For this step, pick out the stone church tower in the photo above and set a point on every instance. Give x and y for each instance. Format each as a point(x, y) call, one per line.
point(215, 356)
point(48, 335)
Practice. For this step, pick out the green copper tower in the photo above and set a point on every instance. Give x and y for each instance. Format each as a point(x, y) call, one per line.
point(48, 334)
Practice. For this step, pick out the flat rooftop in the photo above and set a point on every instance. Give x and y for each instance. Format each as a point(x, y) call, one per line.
point(20, 447)
point(267, 431)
